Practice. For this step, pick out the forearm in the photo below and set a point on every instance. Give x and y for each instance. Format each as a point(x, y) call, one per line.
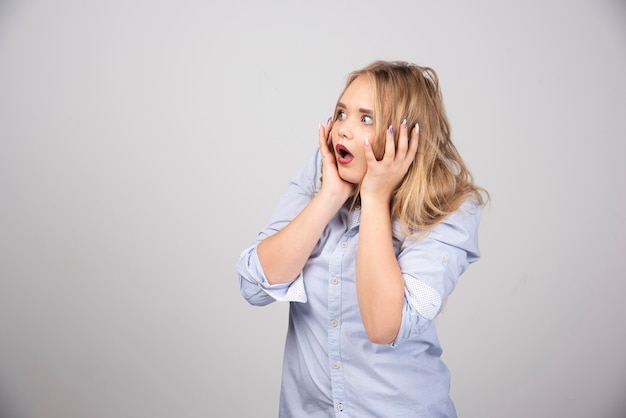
point(284, 254)
point(380, 287)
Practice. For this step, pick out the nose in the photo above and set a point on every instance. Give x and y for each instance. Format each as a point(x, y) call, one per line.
point(345, 131)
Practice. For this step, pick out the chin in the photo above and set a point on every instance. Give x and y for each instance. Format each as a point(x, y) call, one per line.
point(350, 177)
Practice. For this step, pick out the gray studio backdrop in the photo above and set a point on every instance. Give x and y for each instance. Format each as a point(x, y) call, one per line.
point(144, 143)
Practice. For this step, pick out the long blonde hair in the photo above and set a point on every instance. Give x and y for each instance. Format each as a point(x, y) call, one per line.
point(437, 182)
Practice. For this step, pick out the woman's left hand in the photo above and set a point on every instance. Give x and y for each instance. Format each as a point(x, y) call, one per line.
point(382, 177)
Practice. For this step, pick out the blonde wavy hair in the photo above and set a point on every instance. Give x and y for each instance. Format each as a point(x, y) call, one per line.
point(437, 182)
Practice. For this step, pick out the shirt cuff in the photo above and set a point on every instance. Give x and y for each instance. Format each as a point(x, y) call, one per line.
point(286, 292)
point(409, 318)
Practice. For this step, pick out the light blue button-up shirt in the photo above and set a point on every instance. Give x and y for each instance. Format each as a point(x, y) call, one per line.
point(330, 368)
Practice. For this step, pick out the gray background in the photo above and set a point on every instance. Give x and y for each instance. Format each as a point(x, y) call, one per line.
point(144, 143)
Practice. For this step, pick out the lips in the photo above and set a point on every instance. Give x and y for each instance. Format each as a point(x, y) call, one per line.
point(344, 156)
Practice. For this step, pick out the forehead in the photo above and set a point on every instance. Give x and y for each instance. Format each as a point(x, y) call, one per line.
point(360, 90)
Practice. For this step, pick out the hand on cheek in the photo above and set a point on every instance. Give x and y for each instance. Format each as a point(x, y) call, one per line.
point(384, 176)
point(331, 181)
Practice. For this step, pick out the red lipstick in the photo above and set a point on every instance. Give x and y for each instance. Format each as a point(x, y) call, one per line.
point(343, 154)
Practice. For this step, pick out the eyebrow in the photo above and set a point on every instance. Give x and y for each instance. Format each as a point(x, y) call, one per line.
point(361, 109)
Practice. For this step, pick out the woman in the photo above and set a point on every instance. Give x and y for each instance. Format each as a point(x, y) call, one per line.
point(366, 244)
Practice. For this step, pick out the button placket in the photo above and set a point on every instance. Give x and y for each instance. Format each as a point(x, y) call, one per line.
point(334, 322)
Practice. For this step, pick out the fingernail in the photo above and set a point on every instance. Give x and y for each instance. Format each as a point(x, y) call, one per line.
point(367, 141)
point(390, 129)
point(417, 127)
point(329, 119)
point(404, 123)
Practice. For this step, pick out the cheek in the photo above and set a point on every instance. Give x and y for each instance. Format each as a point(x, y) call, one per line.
point(360, 144)
point(359, 150)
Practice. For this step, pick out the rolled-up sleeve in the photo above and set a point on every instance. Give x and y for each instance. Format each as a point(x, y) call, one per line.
point(255, 288)
point(253, 283)
point(431, 267)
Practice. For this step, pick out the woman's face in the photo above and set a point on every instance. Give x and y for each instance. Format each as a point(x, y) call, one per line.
point(354, 122)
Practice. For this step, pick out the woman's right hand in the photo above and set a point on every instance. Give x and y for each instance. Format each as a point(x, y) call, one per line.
point(284, 254)
point(332, 183)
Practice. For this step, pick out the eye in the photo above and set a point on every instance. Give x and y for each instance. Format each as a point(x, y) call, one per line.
point(368, 120)
point(341, 115)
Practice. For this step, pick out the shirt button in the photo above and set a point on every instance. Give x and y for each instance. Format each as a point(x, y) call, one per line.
point(344, 244)
point(335, 365)
point(333, 323)
point(444, 258)
point(334, 280)
point(340, 407)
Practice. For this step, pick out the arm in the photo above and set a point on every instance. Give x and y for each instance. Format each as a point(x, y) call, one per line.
point(284, 254)
point(380, 285)
point(431, 267)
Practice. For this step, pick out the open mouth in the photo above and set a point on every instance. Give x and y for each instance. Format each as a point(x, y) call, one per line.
point(344, 156)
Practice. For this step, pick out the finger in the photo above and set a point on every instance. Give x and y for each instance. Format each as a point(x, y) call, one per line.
point(370, 158)
point(413, 143)
point(390, 147)
point(403, 141)
point(324, 138)
point(329, 128)
point(321, 137)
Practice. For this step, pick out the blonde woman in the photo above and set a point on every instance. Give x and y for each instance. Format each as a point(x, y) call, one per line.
point(366, 244)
